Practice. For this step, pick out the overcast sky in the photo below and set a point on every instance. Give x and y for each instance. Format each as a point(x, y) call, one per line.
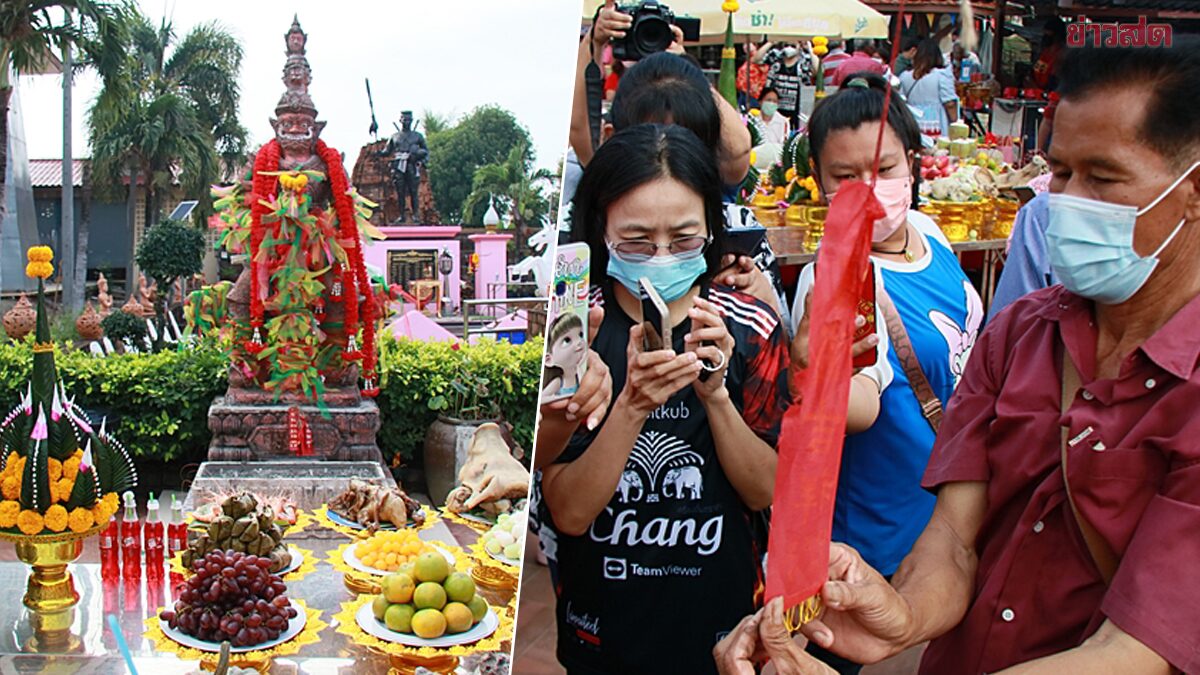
point(448, 56)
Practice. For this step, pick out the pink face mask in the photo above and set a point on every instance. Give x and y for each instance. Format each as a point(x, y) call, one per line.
point(895, 194)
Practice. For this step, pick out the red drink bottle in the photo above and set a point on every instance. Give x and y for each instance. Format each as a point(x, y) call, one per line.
point(110, 556)
point(152, 537)
point(176, 529)
point(131, 539)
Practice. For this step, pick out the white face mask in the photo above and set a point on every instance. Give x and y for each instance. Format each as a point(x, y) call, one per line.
point(790, 52)
point(1090, 245)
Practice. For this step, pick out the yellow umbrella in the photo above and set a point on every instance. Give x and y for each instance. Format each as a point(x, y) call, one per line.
point(809, 18)
point(778, 18)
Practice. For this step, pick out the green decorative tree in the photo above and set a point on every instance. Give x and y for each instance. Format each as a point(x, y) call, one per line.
point(119, 326)
point(170, 251)
point(517, 189)
point(486, 136)
point(168, 112)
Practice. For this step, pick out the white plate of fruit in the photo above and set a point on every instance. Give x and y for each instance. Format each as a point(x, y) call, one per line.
point(233, 598)
point(387, 552)
point(506, 540)
point(434, 607)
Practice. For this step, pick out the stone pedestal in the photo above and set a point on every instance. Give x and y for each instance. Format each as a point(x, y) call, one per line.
point(248, 425)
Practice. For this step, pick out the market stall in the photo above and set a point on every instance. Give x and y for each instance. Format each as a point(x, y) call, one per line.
point(970, 186)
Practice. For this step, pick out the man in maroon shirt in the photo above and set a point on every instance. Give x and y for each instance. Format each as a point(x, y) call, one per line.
point(1007, 577)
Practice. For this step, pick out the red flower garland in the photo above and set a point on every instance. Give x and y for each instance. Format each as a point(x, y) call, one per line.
point(265, 187)
point(355, 278)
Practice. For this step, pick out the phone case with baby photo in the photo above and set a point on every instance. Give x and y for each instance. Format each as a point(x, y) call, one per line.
point(565, 357)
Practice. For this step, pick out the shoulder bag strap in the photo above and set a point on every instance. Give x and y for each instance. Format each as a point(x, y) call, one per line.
point(931, 406)
point(1102, 554)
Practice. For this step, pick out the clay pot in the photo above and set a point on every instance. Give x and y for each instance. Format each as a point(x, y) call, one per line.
point(21, 319)
point(88, 324)
point(446, 445)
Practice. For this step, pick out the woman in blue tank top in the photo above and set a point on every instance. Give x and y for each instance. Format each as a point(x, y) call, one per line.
point(881, 508)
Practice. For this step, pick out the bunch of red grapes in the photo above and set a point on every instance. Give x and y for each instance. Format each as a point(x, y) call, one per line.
point(231, 596)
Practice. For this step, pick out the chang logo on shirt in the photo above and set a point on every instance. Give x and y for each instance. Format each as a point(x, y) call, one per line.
point(626, 530)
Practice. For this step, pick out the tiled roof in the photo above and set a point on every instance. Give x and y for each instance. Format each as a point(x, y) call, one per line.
point(44, 173)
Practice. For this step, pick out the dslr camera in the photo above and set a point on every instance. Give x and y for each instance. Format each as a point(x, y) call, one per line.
point(651, 30)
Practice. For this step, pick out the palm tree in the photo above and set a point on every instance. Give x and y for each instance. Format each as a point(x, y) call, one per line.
point(517, 190)
point(30, 30)
point(168, 111)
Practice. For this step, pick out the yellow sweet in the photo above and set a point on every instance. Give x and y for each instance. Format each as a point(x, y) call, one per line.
point(389, 550)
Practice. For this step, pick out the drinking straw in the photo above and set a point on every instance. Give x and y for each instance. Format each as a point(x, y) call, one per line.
point(116, 629)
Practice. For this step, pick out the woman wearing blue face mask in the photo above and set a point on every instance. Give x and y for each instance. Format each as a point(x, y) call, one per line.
point(659, 543)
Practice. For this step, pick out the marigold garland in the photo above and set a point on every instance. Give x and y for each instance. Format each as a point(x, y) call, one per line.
point(30, 522)
point(347, 278)
point(56, 518)
point(80, 520)
point(9, 510)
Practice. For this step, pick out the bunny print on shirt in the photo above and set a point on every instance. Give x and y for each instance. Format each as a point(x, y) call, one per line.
point(960, 340)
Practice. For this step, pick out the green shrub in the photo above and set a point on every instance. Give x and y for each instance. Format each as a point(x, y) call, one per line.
point(415, 372)
point(162, 399)
point(119, 325)
point(159, 401)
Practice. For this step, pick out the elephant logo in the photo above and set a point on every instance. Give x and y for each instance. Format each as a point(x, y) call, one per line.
point(630, 488)
point(686, 481)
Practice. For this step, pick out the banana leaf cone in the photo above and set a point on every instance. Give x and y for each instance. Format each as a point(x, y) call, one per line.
point(727, 80)
point(44, 373)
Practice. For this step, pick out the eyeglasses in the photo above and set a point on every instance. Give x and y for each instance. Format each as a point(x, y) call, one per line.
point(684, 248)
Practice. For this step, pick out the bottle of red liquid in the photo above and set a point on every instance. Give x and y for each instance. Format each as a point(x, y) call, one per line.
point(110, 556)
point(176, 529)
point(152, 538)
point(131, 539)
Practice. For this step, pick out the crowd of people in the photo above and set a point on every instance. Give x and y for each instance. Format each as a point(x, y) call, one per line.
point(1021, 497)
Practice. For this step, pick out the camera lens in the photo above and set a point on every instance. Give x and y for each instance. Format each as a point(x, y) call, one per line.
point(652, 34)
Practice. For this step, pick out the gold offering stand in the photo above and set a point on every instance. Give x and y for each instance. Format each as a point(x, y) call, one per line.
point(50, 592)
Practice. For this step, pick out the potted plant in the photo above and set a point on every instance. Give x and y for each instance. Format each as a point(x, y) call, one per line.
point(462, 405)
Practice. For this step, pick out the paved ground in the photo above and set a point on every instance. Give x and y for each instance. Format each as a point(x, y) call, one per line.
point(534, 653)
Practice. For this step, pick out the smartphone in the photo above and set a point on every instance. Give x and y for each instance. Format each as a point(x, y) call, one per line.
point(866, 309)
point(565, 358)
point(656, 323)
point(745, 240)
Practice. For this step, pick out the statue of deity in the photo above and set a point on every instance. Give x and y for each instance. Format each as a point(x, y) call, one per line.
point(102, 296)
point(303, 309)
point(407, 152)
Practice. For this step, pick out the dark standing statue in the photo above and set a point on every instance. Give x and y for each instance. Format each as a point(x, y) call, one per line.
point(406, 151)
